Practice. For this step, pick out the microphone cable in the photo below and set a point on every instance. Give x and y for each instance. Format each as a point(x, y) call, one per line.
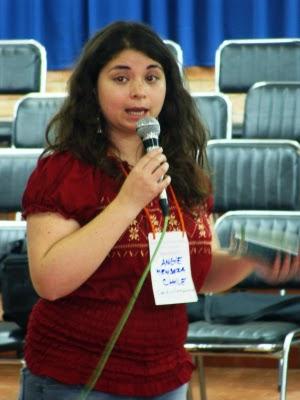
point(118, 329)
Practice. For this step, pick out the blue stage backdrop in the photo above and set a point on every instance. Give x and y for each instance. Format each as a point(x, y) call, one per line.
point(199, 26)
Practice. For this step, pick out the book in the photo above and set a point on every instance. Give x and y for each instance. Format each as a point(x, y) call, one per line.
point(264, 244)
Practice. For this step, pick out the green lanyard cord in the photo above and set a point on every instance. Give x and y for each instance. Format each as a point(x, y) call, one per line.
point(118, 329)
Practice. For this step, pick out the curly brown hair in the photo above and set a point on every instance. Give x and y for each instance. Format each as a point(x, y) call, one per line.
point(182, 137)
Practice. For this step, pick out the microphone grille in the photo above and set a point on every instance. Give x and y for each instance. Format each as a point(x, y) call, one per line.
point(148, 125)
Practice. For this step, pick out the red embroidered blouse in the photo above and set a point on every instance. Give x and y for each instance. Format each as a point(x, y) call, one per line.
point(66, 337)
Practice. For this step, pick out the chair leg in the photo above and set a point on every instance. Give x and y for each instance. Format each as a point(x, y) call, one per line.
point(285, 361)
point(280, 367)
point(201, 376)
point(189, 393)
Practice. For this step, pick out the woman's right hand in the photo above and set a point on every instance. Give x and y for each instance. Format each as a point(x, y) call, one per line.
point(63, 254)
point(146, 180)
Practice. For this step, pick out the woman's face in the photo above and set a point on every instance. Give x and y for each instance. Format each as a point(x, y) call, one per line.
point(130, 87)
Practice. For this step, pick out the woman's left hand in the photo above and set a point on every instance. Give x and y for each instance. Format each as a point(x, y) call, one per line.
point(281, 270)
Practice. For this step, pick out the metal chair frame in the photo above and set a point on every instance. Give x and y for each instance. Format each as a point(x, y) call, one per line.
point(276, 350)
point(177, 51)
point(13, 178)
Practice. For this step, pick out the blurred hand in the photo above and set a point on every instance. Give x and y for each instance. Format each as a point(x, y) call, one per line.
point(281, 270)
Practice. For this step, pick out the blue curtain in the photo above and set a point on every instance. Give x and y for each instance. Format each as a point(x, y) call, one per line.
point(199, 26)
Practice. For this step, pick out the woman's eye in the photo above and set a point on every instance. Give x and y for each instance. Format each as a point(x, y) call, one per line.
point(152, 78)
point(121, 79)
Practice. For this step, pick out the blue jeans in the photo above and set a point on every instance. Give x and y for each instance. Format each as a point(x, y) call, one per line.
point(35, 387)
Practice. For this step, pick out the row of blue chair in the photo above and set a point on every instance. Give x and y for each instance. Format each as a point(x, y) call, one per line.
point(256, 186)
point(246, 174)
point(272, 111)
point(264, 70)
point(23, 70)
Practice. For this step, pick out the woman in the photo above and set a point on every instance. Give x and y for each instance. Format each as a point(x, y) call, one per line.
point(90, 205)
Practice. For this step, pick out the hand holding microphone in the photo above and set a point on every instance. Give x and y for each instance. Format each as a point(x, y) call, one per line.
point(147, 178)
point(148, 129)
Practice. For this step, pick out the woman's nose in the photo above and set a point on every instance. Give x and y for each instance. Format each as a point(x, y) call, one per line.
point(137, 89)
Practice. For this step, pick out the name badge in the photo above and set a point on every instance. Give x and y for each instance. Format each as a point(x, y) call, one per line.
point(171, 276)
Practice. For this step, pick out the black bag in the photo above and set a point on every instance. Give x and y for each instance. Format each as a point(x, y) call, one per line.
point(241, 307)
point(18, 294)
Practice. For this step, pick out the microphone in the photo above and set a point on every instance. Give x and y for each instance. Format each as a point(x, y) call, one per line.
point(148, 129)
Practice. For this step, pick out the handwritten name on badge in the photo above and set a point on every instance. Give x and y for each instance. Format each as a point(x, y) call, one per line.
point(170, 271)
point(171, 276)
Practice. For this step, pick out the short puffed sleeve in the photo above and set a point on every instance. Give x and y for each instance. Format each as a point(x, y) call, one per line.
point(63, 184)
